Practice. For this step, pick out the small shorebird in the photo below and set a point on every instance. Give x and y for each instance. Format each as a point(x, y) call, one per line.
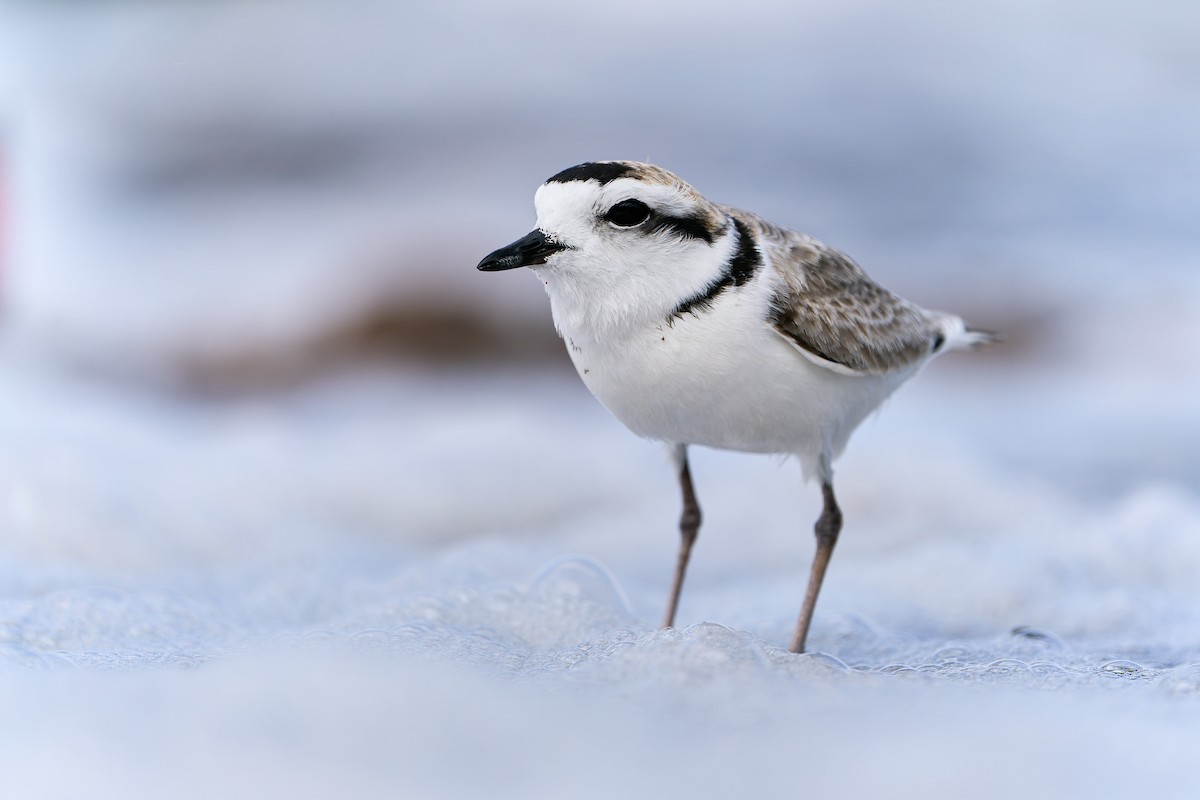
point(698, 323)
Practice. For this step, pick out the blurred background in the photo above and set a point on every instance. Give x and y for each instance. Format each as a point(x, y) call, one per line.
point(246, 360)
point(229, 191)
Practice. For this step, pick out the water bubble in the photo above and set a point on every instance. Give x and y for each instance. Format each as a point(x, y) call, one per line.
point(898, 669)
point(825, 662)
point(576, 578)
point(372, 639)
point(1040, 635)
point(952, 654)
point(1121, 668)
point(1006, 666)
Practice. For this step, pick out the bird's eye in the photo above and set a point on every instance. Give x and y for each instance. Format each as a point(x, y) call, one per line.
point(628, 213)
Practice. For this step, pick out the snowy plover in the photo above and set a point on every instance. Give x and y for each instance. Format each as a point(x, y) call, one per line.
point(698, 323)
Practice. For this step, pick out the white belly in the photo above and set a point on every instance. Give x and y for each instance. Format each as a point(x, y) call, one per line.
point(714, 380)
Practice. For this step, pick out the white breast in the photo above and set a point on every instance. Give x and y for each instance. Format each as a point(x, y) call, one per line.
point(722, 377)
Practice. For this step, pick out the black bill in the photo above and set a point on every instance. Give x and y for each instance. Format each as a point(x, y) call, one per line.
point(528, 251)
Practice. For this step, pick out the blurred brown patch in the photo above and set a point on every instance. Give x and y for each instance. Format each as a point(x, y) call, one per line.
point(440, 335)
point(434, 336)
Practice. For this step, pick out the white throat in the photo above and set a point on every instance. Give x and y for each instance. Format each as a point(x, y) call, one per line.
point(609, 283)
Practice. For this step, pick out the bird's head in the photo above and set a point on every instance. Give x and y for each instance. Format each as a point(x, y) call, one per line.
point(621, 236)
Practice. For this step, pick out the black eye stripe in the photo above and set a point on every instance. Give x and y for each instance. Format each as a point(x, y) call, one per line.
point(684, 227)
point(632, 213)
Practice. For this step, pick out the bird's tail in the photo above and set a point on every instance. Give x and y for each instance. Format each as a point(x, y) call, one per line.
point(955, 335)
point(974, 338)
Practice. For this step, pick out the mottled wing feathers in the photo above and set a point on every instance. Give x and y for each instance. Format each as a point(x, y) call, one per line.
point(828, 307)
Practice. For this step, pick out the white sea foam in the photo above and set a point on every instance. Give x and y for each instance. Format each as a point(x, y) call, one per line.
point(368, 582)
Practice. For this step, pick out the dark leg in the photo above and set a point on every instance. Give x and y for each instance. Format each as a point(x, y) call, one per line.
point(689, 526)
point(827, 528)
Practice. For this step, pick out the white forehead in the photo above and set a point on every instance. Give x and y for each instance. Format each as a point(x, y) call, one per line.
point(570, 209)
